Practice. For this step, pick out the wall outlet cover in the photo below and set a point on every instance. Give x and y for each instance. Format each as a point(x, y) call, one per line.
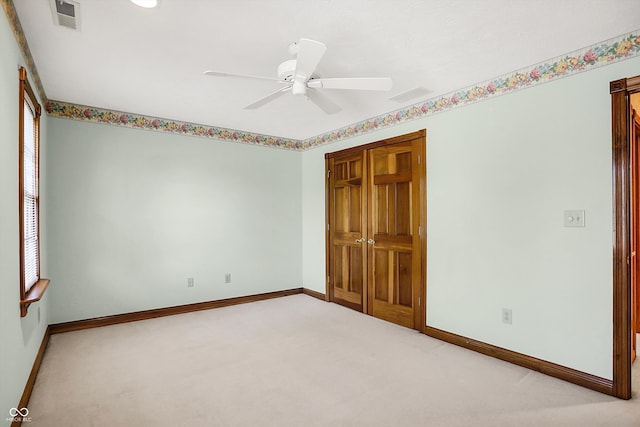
point(507, 316)
point(574, 218)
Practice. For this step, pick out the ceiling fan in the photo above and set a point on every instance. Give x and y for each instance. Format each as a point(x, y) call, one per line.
point(297, 76)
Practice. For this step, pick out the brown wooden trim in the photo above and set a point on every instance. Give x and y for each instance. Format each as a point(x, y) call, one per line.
point(35, 294)
point(28, 388)
point(635, 126)
point(315, 294)
point(558, 371)
point(23, 81)
point(367, 291)
point(621, 236)
point(32, 95)
point(423, 234)
point(633, 84)
point(394, 140)
point(618, 86)
point(327, 236)
point(97, 322)
point(27, 297)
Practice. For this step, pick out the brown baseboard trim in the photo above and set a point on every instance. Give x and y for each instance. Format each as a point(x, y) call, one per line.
point(167, 311)
point(28, 388)
point(315, 294)
point(580, 378)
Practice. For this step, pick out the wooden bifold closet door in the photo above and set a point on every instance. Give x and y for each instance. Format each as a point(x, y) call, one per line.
point(375, 238)
point(347, 226)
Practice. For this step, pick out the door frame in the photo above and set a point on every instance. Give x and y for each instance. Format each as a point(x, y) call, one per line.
point(635, 124)
point(420, 134)
point(621, 164)
point(634, 218)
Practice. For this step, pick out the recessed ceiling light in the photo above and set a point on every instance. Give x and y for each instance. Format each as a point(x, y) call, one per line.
point(145, 3)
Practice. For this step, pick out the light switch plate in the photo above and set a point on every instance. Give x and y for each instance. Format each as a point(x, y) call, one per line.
point(574, 218)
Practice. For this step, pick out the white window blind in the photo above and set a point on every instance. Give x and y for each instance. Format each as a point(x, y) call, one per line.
point(30, 198)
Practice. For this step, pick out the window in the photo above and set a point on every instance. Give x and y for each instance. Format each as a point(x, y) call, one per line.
point(32, 286)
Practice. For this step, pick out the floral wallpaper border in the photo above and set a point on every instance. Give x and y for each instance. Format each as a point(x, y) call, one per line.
point(607, 52)
point(16, 27)
point(610, 51)
point(99, 115)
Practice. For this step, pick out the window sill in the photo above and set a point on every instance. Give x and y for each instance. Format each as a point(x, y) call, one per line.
point(35, 293)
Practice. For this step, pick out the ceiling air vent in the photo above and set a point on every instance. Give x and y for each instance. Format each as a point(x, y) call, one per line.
point(66, 13)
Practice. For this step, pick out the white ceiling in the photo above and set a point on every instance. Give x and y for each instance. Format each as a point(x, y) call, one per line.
point(150, 61)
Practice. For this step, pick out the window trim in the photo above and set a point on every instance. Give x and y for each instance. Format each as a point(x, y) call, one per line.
point(26, 94)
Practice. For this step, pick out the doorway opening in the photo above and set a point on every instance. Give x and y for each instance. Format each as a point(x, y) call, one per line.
point(626, 236)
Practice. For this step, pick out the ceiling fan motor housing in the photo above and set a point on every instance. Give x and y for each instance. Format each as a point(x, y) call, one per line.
point(287, 70)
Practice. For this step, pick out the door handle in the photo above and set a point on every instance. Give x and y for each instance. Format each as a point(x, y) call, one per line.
point(371, 241)
point(360, 240)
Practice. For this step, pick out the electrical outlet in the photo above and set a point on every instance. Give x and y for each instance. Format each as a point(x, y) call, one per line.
point(190, 283)
point(507, 316)
point(227, 278)
point(574, 218)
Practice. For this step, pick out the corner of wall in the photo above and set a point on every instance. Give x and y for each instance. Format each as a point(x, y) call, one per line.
point(21, 337)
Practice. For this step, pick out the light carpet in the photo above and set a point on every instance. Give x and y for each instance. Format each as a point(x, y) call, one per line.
point(296, 361)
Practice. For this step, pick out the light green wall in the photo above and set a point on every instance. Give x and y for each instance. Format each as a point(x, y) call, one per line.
point(500, 173)
point(20, 338)
point(128, 215)
point(134, 213)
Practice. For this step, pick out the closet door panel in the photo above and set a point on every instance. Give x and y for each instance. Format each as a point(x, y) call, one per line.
point(392, 233)
point(347, 269)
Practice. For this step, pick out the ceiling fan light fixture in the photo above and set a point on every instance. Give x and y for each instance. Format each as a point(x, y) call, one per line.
point(148, 4)
point(299, 87)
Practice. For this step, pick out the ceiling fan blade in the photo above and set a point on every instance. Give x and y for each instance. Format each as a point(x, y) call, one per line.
point(322, 101)
point(238, 76)
point(310, 52)
point(353, 83)
point(266, 99)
